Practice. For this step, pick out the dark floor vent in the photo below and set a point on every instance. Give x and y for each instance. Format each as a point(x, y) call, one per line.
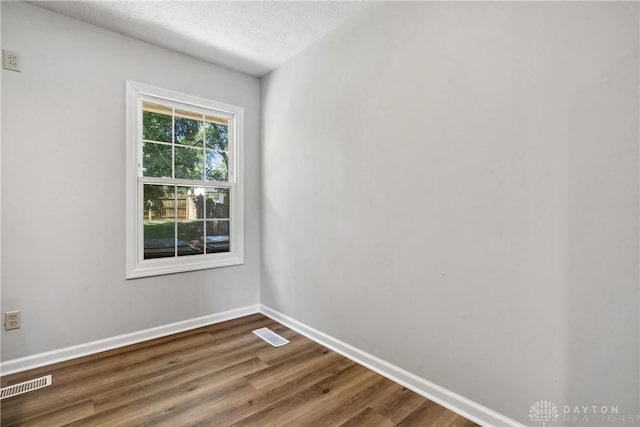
point(27, 386)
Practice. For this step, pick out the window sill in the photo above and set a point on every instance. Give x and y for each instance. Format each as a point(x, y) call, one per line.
point(158, 267)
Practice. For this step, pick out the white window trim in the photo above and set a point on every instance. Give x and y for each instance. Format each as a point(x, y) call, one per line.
point(136, 265)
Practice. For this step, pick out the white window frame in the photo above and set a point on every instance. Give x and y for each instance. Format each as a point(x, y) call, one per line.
point(137, 266)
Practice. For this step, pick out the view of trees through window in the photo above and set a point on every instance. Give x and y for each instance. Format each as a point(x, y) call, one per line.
point(178, 144)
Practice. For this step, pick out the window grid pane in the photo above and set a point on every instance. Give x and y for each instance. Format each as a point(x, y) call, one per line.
point(157, 122)
point(188, 162)
point(189, 237)
point(218, 203)
point(217, 237)
point(156, 159)
point(189, 127)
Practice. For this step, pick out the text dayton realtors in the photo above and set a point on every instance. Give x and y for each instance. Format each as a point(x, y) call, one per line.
point(604, 413)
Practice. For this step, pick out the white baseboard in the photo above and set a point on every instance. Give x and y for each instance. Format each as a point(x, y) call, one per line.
point(60, 355)
point(450, 400)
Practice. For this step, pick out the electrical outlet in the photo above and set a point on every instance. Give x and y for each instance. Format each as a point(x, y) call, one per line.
point(11, 320)
point(11, 60)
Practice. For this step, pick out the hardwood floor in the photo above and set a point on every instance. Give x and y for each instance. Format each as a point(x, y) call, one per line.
point(220, 375)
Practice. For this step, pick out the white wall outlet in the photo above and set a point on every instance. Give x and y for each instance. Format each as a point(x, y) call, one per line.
point(11, 60)
point(11, 320)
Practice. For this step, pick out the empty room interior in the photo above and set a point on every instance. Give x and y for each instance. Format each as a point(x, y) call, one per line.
point(320, 213)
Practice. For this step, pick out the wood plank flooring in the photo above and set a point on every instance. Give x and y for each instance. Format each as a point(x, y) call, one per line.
point(220, 375)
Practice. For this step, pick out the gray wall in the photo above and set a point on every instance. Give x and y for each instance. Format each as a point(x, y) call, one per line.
point(63, 185)
point(453, 187)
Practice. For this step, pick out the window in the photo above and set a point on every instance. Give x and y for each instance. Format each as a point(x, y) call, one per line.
point(184, 182)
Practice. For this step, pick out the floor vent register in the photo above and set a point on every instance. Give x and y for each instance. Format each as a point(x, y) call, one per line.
point(271, 337)
point(25, 387)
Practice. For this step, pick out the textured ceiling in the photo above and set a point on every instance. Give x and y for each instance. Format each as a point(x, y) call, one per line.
point(252, 37)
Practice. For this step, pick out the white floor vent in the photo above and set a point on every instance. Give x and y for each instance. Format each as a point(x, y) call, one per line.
point(271, 337)
point(16, 389)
